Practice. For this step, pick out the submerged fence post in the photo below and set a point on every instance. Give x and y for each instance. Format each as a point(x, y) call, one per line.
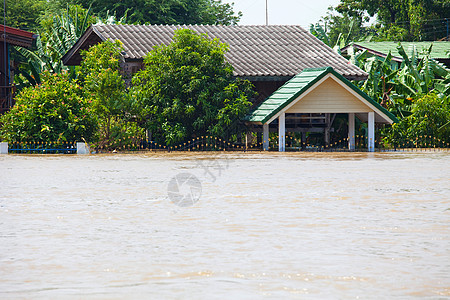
point(82, 148)
point(3, 148)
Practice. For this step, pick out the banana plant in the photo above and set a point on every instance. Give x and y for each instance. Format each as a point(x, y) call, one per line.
point(342, 40)
point(396, 88)
point(51, 45)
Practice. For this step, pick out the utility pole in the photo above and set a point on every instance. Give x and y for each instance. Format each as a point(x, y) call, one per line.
point(267, 13)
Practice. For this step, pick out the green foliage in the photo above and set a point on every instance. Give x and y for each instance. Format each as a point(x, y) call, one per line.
point(53, 111)
point(167, 12)
point(60, 32)
point(400, 20)
point(106, 91)
point(430, 118)
point(187, 89)
point(395, 88)
point(338, 30)
point(23, 14)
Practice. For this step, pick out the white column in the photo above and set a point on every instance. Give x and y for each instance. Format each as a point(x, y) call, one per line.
point(266, 137)
point(351, 131)
point(3, 148)
point(371, 132)
point(82, 148)
point(282, 132)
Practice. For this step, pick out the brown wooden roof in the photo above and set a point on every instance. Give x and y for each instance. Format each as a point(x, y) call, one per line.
point(16, 37)
point(255, 51)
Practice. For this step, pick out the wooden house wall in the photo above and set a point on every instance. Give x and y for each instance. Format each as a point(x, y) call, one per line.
point(3, 76)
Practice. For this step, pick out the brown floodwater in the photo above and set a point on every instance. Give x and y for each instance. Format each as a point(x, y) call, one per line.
point(262, 226)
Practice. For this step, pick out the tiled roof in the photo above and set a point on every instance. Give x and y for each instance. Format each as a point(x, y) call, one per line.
point(295, 87)
point(439, 50)
point(255, 51)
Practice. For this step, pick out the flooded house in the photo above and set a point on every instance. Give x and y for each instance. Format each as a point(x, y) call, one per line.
point(271, 57)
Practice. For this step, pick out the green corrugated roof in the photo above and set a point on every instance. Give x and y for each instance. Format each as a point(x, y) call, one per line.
point(292, 89)
point(439, 49)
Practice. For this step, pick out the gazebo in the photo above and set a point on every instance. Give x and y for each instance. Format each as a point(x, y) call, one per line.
point(320, 91)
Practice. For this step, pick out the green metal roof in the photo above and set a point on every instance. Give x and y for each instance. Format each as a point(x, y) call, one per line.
point(439, 50)
point(292, 89)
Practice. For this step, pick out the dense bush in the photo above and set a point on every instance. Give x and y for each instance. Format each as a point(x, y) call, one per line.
point(429, 123)
point(56, 110)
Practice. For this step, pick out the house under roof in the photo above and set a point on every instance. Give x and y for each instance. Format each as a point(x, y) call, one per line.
point(439, 52)
point(266, 55)
point(10, 36)
point(255, 51)
point(319, 91)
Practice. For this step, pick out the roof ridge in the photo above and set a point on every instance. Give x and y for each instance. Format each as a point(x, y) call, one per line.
point(202, 25)
point(318, 69)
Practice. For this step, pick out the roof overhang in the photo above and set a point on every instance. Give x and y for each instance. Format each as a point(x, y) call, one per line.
point(371, 51)
point(16, 37)
point(89, 38)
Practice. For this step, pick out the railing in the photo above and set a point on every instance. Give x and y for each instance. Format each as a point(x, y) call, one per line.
point(210, 143)
point(42, 147)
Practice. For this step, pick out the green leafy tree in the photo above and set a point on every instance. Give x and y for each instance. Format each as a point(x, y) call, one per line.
point(56, 110)
point(23, 14)
point(402, 20)
point(187, 89)
point(168, 11)
point(106, 91)
point(338, 30)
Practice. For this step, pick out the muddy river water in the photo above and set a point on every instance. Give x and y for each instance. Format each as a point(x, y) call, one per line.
point(262, 226)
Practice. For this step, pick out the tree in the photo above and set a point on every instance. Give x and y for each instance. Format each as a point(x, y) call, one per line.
point(338, 30)
point(167, 12)
point(187, 90)
point(105, 89)
point(23, 14)
point(409, 20)
point(53, 111)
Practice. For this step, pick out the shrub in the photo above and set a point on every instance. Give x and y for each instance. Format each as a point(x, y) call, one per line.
point(53, 111)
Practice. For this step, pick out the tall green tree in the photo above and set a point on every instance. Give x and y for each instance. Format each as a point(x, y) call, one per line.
point(187, 89)
point(402, 20)
point(105, 90)
point(167, 12)
point(23, 14)
point(338, 29)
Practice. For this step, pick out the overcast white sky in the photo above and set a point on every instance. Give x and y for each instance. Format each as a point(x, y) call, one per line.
point(282, 12)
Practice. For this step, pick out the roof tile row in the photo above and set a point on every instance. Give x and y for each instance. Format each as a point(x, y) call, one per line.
point(253, 50)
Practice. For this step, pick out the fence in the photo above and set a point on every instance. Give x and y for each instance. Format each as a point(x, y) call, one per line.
point(41, 147)
point(210, 143)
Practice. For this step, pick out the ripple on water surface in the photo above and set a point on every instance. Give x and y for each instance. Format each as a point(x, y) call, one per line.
point(266, 225)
